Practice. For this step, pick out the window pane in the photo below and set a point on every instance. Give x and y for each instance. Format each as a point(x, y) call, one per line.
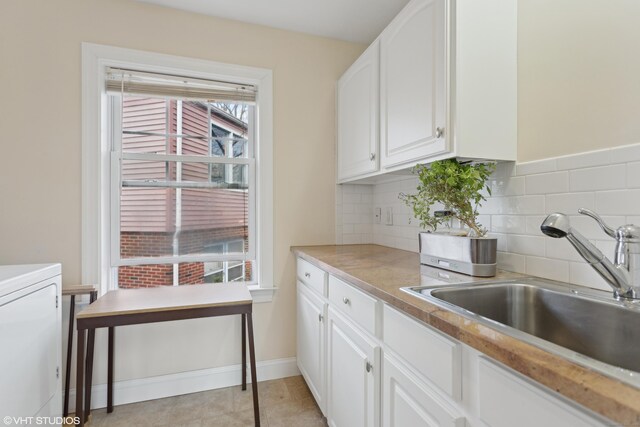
point(207, 219)
point(145, 173)
point(190, 273)
point(235, 273)
point(144, 114)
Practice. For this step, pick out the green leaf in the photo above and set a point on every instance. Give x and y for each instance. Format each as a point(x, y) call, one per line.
point(458, 187)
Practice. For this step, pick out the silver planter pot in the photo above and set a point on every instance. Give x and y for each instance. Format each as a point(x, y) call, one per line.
point(475, 256)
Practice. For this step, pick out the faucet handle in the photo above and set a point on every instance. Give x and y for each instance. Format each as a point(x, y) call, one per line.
point(588, 212)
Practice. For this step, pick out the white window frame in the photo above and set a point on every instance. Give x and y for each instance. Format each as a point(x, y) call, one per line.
point(96, 161)
point(227, 265)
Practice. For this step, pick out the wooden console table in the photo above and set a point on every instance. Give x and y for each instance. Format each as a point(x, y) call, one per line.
point(161, 304)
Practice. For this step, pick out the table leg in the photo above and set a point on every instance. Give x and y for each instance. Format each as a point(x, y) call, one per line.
point(244, 351)
point(89, 375)
point(254, 378)
point(79, 377)
point(67, 377)
point(110, 370)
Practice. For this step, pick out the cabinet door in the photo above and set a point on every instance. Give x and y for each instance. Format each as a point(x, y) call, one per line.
point(413, 85)
point(353, 375)
point(507, 400)
point(311, 341)
point(406, 403)
point(358, 116)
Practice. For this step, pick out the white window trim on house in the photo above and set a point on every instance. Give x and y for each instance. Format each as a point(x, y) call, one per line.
point(96, 170)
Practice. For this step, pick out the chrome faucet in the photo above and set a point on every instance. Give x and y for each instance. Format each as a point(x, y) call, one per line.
point(623, 274)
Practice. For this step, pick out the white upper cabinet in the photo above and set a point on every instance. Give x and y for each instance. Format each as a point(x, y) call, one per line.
point(358, 116)
point(412, 84)
point(447, 88)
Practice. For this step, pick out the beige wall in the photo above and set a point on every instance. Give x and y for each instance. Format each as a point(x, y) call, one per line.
point(578, 76)
point(40, 160)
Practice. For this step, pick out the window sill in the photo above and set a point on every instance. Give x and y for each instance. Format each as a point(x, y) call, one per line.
point(261, 294)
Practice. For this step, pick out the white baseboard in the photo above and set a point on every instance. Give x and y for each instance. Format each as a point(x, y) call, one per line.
point(130, 391)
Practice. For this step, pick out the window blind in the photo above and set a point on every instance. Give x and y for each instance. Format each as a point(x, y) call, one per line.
point(134, 82)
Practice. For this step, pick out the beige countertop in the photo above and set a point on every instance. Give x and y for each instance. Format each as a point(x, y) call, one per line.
point(382, 271)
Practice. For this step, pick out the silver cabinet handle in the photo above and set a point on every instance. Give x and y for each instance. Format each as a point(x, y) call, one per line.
point(372, 156)
point(439, 132)
point(369, 366)
point(320, 317)
point(346, 300)
point(307, 275)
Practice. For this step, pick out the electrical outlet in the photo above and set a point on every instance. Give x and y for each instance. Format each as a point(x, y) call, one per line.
point(388, 216)
point(377, 215)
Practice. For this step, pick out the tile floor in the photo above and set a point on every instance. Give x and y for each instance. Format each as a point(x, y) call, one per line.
point(284, 402)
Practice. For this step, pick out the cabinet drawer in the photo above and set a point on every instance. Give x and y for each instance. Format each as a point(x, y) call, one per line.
point(312, 276)
point(426, 350)
point(356, 304)
point(506, 400)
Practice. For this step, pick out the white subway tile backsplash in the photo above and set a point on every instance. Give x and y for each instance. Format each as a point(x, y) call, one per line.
point(607, 181)
point(533, 224)
point(511, 262)
point(569, 203)
point(507, 186)
point(560, 249)
point(538, 166)
point(350, 198)
point(618, 202)
point(607, 247)
point(350, 218)
point(600, 178)
point(547, 183)
point(505, 170)
point(584, 160)
point(633, 175)
point(583, 274)
point(626, 153)
point(363, 228)
point(548, 268)
point(349, 228)
point(525, 245)
point(513, 205)
point(349, 208)
point(352, 239)
point(508, 224)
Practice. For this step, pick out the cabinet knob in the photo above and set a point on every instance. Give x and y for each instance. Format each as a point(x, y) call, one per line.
point(320, 317)
point(307, 275)
point(372, 156)
point(439, 132)
point(369, 366)
point(346, 300)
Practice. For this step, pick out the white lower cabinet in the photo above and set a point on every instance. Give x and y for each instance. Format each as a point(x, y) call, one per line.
point(505, 399)
point(373, 366)
point(353, 375)
point(311, 314)
point(407, 402)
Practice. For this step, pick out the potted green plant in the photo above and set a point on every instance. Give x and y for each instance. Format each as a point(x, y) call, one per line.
point(458, 188)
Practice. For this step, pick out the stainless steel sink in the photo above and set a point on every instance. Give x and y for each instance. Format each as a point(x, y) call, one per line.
point(552, 315)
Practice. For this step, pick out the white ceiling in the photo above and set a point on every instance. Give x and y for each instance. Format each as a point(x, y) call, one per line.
point(352, 20)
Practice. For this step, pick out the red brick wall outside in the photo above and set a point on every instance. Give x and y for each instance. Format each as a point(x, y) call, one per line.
point(145, 276)
point(191, 273)
point(135, 244)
